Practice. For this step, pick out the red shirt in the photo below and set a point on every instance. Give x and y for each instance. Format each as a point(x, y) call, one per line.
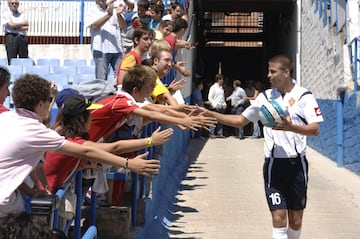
point(116, 110)
point(3, 109)
point(57, 166)
point(128, 61)
point(171, 40)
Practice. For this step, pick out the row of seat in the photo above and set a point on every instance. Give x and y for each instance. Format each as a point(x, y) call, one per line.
point(44, 70)
point(62, 81)
point(45, 62)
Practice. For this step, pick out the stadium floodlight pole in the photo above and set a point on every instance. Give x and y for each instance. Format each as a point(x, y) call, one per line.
point(82, 6)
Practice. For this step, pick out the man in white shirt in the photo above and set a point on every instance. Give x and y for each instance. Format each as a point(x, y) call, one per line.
point(217, 102)
point(15, 26)
point(285, 168)
point(106, 20)
point(238, 105)
point(176, 10)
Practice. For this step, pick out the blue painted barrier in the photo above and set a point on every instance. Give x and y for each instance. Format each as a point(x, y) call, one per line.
point(90, 233)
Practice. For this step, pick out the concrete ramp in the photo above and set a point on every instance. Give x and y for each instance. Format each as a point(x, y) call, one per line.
point(222, 195)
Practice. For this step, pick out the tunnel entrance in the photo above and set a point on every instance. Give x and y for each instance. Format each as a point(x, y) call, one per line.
point(243, 35)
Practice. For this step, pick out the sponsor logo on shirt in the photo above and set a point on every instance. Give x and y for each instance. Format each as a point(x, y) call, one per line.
point(317, 111)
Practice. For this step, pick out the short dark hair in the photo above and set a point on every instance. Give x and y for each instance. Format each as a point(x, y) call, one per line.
point(29, 90)
point(158, 8)
point(139, 32)
point(143, 3)
point(4, 76)
point(174, 5)
point(284, 61)
point(24, 226)
point(180, 23)
point(165, 23)
point(218, 77)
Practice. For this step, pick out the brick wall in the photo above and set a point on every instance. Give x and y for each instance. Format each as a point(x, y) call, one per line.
point(323, 70)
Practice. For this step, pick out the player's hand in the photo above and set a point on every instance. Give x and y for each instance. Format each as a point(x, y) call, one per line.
point(283, 124)
point(205, 121)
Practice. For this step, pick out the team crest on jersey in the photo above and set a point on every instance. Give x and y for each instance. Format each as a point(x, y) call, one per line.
point(317, 111)
point(291, 101)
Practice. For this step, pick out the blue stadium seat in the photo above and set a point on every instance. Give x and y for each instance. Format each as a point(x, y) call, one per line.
point(74, 62)
point(3, 62)
point(21, 61)
point(86, 69)
point(69, 70)
point(61, 80)
point(15, 71)
point(51, 62)
point(38, 70)
point(7, 102)
point(83, 77)
point(14, 77)
point(48, 62)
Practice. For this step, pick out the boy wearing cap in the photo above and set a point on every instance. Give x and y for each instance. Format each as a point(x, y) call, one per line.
point(74, 127)
point(28, 139)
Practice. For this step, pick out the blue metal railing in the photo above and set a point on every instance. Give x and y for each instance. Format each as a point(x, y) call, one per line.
point(354, 60)
point(90, 233)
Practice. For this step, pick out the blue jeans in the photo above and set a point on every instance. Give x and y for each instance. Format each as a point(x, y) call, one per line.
point(218, 129)
point(238, 131)
point(256, 130)
point(103, 61)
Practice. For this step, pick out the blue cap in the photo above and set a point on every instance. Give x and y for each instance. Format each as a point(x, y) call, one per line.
point(63, 95)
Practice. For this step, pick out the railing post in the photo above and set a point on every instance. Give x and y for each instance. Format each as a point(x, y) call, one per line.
point(340, 124)
point(82, 7)
point(78, 191)
point(355, 62)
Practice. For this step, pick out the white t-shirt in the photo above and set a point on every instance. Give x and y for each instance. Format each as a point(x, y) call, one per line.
point(107, 39)
point(13, 17)
point(167, 17)
point(216, 96)
point(301, 107)
point(23, 143)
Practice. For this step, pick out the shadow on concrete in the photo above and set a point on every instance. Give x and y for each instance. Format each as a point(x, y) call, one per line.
point(194, 149)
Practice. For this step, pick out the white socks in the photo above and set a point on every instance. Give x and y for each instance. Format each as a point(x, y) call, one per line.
point(279, 233)
point(285, 233)
point(292, 234)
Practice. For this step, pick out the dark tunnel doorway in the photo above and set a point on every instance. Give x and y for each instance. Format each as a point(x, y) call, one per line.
point(242, 36)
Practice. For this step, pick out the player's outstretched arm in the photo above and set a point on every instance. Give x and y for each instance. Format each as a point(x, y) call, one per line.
point(237, 121)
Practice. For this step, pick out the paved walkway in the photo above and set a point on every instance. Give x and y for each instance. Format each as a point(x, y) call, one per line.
point(222, 196)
